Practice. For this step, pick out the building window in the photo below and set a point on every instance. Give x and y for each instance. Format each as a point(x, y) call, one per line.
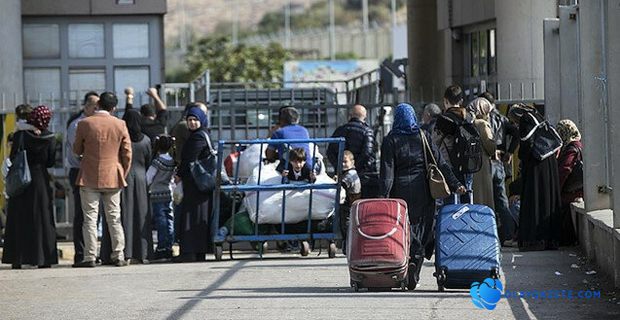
point(131, 40)
point(475, 71)
point(492, 53)
point(483, 53)
point(125, 2)
point(41, 41)
point(86, 41)
point(42, 86)
point(135, 77)
point(84, 80)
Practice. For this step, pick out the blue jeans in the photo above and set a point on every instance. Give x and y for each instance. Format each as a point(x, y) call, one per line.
point(502, 210)
point(164, 222)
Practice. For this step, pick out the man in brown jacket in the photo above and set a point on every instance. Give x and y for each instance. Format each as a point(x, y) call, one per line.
point(102, 142)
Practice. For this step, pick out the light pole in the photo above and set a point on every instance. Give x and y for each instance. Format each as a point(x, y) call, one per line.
point(287, 24)
point(235, 20)
point(365, 25)
point(332, 31)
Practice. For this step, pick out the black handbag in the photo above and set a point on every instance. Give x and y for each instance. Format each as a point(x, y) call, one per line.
point(574, 181)
point(204, 170)
point(18, 178)
point(545, 140)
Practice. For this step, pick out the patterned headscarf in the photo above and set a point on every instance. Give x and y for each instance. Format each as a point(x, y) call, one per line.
point(40, 117)
point(568, 131)
point(405, 121)
point(481, 107)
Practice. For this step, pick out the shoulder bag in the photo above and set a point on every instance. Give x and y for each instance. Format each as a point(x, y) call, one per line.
point(204, 171)
point(545, 140)
point(436, 182)
point(18, 178)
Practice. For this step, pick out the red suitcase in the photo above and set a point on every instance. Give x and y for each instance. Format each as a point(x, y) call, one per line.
point(378, 244)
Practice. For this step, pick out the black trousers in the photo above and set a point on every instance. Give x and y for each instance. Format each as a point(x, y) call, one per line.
point(78, 217)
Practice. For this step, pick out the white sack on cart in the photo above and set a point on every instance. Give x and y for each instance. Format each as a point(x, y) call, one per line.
point(296, 201)
point(249, 159)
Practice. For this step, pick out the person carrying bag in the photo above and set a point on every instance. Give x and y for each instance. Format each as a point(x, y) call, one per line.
point(436, 181)
point(18, 178)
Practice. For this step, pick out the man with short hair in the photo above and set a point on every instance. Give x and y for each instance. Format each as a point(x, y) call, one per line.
point(289, 128)
point(359, 139)
point(72, 162)
point(154, 118)
point(103, 143)
point(446, 127)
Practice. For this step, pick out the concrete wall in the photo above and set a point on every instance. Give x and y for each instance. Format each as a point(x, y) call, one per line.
point(593, 111)
point(464, 12)
point(11, 77)
point(520, 57)
point(553, 95)
point(430, 58)
point(569, 58)
point(90, 7)
point(613, 81)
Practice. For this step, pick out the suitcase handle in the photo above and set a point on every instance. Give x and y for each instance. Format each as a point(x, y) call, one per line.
point(457, 198)
point(359, 230)
point(377, 237)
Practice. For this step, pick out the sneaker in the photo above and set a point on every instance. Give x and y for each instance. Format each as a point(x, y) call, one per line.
point(84, 264)
point(120, 263)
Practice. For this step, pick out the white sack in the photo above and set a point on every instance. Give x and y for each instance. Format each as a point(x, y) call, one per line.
point(296, 201)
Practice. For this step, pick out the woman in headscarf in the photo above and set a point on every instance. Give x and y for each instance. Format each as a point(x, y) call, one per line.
point(571, 180)
point(195, 238)
point(483, 179)
point(30, 235)
point(135, 210)
point(403, 176)
point(540, 216)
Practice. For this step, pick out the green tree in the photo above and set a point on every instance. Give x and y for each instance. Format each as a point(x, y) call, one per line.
point(241, 63)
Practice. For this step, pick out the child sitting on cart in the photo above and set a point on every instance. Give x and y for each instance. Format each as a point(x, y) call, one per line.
point(298, 169)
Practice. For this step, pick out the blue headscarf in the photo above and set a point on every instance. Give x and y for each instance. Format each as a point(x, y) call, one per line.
point(405, 121)
point(200, 115)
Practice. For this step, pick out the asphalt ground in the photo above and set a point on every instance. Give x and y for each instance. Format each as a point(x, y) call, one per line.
point(287, 286)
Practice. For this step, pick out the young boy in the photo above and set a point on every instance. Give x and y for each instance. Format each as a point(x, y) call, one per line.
point(353, 189)
point(298, 169)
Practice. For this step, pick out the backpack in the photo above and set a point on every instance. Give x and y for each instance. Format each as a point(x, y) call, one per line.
point(545, 140)
point(466, 153)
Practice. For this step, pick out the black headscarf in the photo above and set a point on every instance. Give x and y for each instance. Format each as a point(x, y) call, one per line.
point(133, 119)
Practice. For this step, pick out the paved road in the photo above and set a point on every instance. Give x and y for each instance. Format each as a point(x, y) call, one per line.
point(287, 287)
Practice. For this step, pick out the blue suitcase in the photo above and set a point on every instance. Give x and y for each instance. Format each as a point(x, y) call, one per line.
point(467, 246)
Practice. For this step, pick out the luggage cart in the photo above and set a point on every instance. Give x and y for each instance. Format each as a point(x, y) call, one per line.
point(235, 187)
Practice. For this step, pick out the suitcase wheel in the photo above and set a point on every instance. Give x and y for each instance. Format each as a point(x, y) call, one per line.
point(403, 285)
point(305, 248)
point(355, 286)
point(441, 279)
point(495, 274)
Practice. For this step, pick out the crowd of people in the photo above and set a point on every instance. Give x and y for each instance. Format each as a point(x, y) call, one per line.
point(123, 171)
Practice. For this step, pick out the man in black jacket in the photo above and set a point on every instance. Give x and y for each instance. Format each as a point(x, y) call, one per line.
point(360, 140)
point(506, 138)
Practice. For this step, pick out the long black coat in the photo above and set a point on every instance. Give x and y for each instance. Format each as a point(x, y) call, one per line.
point(194, 226)
point(403, 173)
point(30, 235)
point(540, 219)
